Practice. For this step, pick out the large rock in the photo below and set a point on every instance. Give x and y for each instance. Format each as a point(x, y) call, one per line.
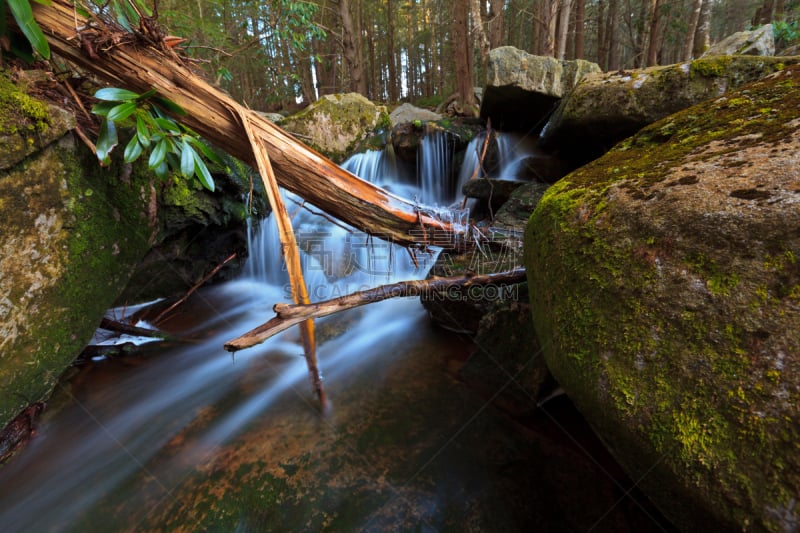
point(522, 88)
point(70, 234)
point(73, 234)
point(605, 108)
point(337, 124)
point(665, 289)
point(758, 42)
point(411, 113)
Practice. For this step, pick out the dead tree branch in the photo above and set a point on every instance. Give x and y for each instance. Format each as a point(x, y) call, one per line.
point(288, 315)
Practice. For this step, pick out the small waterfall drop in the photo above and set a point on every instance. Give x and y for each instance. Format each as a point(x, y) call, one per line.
point(512, 151)
point(434, 165)
point(337, 259)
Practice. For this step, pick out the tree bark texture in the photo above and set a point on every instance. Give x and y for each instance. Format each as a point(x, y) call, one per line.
point(495, 20)
point(654, 33)
point(563, 28)
point(351, 50)
point(213, 114)
point(392, 81)
point(462, 51)
point(580, 30)
point(702, 34)
point(694, 19)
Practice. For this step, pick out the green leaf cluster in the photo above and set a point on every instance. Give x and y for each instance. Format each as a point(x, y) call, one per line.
point(172, 146)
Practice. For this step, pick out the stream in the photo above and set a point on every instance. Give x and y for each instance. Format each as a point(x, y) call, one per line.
point(184, 436)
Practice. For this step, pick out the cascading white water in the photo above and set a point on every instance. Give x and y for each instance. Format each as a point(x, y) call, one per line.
point(512, 150)
point(434, 165)
point(472, 158)
point(166, 397)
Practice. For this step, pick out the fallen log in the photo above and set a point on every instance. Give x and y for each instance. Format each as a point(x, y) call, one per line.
point(288, 315)
point(148, 64)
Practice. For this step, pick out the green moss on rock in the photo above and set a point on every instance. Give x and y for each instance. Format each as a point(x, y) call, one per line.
point(337, 124)
point(605, 108)
point(662, 290)
point(26, 124)
point(71, 235)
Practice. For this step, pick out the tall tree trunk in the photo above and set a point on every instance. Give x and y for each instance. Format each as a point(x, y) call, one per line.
point(550, 26)
point(611, 35)
point(654, 33)
point(350, 50)
point(563, 28)
point(495, 20)
point(602, 42)
point(429, 52)
point(393, 92)
point(358, 39)
point(462, 53)
point(694, 19)
point(538, 28)
point(479, 35)
point(702, 34)
point(764, 13)
point(412, 51)
point(580, 30)
point(374, 90)
point(780, 10)
point(637, 28)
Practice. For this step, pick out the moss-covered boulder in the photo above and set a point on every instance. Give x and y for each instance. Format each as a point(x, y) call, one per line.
point(70, 234)
point(665, 289)
point(73, 235)
point(337, 124)
point(605, 108)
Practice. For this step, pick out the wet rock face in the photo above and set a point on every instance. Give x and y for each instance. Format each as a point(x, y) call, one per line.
point(665, 289)
point(73, 234)
point(70, 234)
point(605, 108)
point(491, 191)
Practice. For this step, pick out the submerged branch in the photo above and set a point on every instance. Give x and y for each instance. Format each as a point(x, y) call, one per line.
point(288, 315)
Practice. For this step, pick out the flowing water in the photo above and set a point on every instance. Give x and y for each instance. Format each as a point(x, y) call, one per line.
point(187, 437)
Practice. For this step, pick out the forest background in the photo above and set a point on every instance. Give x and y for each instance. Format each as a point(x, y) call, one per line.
point(283, 54)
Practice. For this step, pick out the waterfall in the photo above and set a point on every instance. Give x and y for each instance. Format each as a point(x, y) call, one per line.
point(434, 165)
point(375, 166)
point(512, 151)
point(471, 161)
point(337, 259)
